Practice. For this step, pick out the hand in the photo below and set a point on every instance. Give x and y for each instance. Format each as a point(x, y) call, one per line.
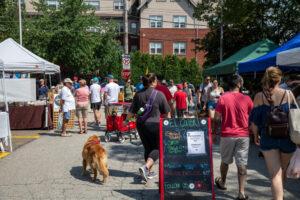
point(204, 107)
point(199, 102)
point(257, 139)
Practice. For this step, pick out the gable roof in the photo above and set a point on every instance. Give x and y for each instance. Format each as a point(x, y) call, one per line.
point(147, 1)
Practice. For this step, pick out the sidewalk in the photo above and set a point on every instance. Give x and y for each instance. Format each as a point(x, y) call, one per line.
point(50, 168)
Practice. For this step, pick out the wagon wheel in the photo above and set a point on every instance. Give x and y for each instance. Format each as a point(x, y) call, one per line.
point(121, 138)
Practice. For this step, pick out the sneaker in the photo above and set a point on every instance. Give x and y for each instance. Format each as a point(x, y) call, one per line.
point(152, 175)
point(144, 171)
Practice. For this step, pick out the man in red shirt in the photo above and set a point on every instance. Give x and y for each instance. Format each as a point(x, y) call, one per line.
point(181, 100)
point(165, 91)
point(234, 108)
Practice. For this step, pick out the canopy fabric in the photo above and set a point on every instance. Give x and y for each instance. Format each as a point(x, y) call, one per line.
point(263, 62)
point(289, 58)
point(15, 58)
point(230, 65)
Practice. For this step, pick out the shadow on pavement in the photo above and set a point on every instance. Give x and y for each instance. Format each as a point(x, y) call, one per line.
point(140, 194)
point(76, 173)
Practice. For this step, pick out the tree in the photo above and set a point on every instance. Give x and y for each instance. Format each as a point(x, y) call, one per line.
point(245, 22)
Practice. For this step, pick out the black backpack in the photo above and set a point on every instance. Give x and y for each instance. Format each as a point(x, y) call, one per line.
point(277, 122)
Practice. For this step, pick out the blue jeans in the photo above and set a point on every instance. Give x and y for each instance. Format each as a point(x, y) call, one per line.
point(211, 105)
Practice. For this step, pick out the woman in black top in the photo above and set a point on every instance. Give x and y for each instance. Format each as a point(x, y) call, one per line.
point(149, 130)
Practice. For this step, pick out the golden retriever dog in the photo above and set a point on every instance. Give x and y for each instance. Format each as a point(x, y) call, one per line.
point(94, 155)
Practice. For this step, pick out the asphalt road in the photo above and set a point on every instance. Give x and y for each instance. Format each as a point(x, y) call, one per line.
point(50, 168)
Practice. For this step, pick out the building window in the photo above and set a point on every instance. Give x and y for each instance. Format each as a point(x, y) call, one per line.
point(156, 21)
point(95, 4)
point(121, 27)
point(52, 3)
point(118, 5)
point(133, 48)
point(179, 21)
point(155, 48)
point(133, 27)
point(179, 48)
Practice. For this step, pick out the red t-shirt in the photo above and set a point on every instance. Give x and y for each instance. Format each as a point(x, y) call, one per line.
point(165, 91)
point(180, 98)
point(235, 109)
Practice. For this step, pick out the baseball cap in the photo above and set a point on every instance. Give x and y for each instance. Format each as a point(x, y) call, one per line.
point(95, 80)
point(68, 80)
point(171, 81)
point(75, 78)
point(180, 87)
point(41, 80)
point(141, 77)
point(164, 81)
point(110, 76)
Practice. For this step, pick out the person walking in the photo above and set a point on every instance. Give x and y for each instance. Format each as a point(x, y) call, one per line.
point(149, 129)
point(181, 99)
point(67, 104)
point(188, 91)
point(128, 91)
point(234, 109)
point(212, 97)
point(140, 85)
point(76, 85)
point(276, 151)
point(165, 91)
point(95, 91)
point(203, 91)
point(82, 105)
point(111, 95)
point(172, 89)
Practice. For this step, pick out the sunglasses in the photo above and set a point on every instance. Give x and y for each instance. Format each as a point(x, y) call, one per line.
point(208, 79)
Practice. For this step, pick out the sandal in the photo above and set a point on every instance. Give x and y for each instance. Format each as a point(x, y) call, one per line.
point(66, 135)
point(245, 197)
point(219, 183)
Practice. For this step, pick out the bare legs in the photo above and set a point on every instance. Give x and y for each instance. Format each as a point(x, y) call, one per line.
point(242, 177)
point(223, 171)
point(64, 127)
point(277, 163)
point(85, 124)
point(80, 124)
point(97, 115)
point(149, 164)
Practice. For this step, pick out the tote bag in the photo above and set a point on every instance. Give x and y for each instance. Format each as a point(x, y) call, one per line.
point(294, 121)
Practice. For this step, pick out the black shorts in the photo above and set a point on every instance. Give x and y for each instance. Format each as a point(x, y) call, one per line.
point(96, 106)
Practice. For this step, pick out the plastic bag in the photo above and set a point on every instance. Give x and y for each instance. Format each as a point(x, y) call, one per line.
point(59, 122)
point(293, 170)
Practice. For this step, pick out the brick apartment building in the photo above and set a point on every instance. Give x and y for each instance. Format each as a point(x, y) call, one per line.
point(160, 27)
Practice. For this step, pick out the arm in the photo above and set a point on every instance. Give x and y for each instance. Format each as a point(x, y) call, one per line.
point(217, 121)
point(187, 103)
point(253, 127)
point(206, 99)
point(104, 97)
point(61, 105)
point(199, 97)
point(191, 100)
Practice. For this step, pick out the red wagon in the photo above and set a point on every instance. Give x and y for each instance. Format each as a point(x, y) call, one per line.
point(115, 126)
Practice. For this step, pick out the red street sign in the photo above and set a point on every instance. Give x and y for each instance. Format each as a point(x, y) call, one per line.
point(126, 73)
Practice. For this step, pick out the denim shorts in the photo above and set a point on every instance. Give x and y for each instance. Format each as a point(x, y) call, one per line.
point(285, 145)
point(211, 105)
point(67, 115)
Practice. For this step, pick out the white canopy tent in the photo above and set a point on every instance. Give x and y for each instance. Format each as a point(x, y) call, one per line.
point(16, 59)
point(289, 57)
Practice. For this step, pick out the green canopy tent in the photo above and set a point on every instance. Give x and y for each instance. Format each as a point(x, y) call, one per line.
point(230, 65)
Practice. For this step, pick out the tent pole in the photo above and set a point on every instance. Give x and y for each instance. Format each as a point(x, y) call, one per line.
point(6, 109)
point(50, 81)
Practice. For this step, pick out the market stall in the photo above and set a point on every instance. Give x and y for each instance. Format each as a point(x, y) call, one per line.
point(16, 59)
point(230, 65)
point(289, 58)
point(265, 61)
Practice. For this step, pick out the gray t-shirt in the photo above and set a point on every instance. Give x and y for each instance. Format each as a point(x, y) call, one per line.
point(159, 106)
point(206, 86)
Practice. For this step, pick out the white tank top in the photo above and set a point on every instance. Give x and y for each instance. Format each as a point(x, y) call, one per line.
point(215, 93)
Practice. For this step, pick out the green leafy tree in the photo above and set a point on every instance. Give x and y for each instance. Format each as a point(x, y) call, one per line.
point(245, 22)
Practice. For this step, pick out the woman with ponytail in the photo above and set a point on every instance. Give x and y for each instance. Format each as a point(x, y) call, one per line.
point(277, 151)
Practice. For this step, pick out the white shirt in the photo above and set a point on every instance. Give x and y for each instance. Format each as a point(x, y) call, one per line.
point(95, 91)
point(69, 100)
point(113, 90)
point(173, 89)
point(203, 96)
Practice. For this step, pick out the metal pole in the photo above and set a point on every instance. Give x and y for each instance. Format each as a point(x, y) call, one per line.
point(6, 109)
point(50, 81)
point(125, 26)
point(20, 22)
point(221, 32)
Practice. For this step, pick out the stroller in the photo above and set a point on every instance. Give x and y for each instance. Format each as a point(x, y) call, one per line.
point(115, 126)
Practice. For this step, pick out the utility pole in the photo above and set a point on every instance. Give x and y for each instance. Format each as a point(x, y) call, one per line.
point(126, 26)
point(20, 22)
point(221, 32)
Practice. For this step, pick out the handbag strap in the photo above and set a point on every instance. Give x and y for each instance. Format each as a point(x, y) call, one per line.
point(152, 97)
point(293, 99)
point(272, 104)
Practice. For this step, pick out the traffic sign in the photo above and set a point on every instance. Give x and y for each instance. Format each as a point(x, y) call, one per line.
point(126, 73)
point(126, 61)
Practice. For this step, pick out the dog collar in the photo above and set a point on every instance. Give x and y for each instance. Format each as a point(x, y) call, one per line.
point(96, 142)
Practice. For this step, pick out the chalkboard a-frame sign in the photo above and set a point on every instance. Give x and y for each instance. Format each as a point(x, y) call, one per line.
point(186, 165)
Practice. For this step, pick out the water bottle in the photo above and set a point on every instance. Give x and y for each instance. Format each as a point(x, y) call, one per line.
point(140, 111)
